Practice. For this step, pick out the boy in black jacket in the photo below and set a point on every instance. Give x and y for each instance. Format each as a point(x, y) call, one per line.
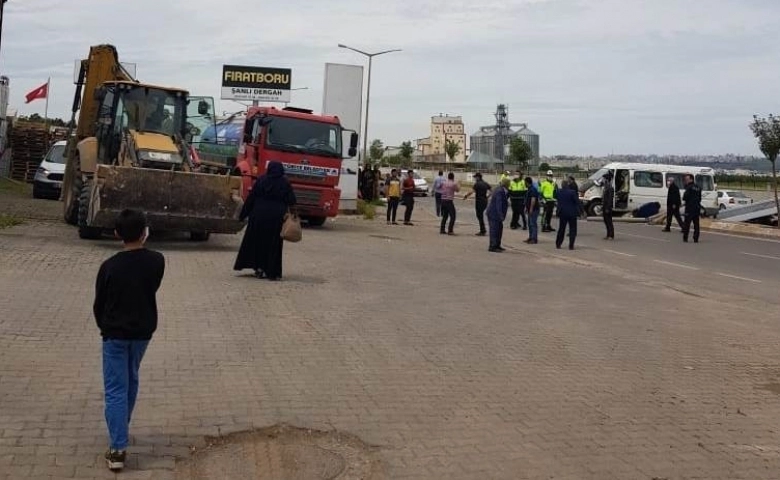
point(126, 312)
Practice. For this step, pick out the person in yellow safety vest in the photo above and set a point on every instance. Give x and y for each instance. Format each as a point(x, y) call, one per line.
point(547, 190)
point(504, 176)
point(517, 191)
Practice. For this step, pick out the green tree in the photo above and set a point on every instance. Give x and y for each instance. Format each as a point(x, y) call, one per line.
point(767, 131)
point(407, 150)
point(520, 153)
point(376, 150)
point(37, 118)
point(393, 160)
point(544, 166)
point(452, 149)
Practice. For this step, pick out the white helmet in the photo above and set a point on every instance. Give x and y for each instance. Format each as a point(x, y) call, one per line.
point(549, 173)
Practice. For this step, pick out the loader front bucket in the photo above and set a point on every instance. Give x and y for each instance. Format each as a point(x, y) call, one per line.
point(173, 201)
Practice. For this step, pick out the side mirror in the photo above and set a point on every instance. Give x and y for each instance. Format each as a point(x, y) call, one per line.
point(203, 107)
point(353, 142)
point(352, 152)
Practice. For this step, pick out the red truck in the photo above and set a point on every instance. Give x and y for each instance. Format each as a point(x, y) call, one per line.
point(309, 146)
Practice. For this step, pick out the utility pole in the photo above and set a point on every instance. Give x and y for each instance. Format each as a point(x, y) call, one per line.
point(2, 7)
point(368, 93)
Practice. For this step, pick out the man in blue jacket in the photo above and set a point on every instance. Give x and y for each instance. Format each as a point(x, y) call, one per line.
point(496, 213)
point(568, 211)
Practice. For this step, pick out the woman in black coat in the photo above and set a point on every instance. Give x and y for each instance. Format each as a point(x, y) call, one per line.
point(268, 202)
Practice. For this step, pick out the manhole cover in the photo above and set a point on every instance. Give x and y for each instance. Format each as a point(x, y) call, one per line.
point(281, 452)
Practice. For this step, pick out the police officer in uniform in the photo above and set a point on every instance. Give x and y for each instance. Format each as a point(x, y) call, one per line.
point(547, 190)
point(517, 191)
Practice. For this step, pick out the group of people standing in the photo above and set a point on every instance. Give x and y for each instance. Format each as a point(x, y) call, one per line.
point(529, 200)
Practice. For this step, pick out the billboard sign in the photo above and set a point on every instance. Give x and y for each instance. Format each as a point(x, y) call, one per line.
point(263, 84)
point(343, 97)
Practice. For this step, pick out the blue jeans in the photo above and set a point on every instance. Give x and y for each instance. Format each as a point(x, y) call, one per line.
point(121, 361)
point(533, 225)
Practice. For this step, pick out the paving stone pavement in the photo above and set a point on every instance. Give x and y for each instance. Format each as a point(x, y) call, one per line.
point(453, 362)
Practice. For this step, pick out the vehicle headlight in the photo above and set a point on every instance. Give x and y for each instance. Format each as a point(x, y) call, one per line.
point(164, 157)
point(43, 171)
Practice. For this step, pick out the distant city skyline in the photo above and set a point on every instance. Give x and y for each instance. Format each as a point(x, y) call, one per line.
point(590, 77)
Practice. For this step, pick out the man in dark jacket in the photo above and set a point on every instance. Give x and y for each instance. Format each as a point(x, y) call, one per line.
point(496, 213)
point(692, 199)
point(568, 211)
point(573, 185)
point(481, 190)
point(608, 202)
point(673, 203)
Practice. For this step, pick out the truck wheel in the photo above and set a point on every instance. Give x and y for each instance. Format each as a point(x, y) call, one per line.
point(200, 236)
point(595, 209)
point(316, 221)
point(85, 231)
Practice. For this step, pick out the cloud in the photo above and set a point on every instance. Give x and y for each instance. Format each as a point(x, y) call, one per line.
point(590, 76)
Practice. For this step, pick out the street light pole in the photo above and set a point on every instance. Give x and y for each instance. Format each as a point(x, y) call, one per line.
point(368, 92)
point(368, 102)
point(2, 7)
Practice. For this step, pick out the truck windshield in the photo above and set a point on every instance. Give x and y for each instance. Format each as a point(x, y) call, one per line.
point(152, 110)
point(315, 138)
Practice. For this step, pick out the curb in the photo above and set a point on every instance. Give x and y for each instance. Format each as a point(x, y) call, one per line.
point(743, 230)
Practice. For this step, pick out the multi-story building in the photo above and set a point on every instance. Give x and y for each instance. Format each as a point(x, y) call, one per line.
point(444, 129)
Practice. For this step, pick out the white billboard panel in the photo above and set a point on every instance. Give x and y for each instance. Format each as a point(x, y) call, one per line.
point(343, 97)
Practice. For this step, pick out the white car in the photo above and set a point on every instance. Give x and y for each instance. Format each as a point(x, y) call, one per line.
point(47, 182)
point(732, 198)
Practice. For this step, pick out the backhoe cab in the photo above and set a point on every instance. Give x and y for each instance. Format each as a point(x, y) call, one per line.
point(142, 126)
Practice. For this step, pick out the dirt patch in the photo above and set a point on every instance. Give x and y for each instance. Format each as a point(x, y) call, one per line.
point(771, 387)
point(16, 200)
point(282, 452)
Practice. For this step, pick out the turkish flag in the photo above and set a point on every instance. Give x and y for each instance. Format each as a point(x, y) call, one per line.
point(40, 92)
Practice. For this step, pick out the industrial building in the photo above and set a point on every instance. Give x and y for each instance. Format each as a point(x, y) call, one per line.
point(444, 128)
point(490, 144)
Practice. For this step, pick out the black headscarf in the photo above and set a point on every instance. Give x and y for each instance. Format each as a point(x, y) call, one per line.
point(275, 169)
point(273, 184)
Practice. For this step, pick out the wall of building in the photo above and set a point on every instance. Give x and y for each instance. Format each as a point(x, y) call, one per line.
point(444, 129)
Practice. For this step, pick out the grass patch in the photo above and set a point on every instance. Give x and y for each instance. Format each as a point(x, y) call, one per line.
point(11, 186)
point(368, 210)
point(8, 221)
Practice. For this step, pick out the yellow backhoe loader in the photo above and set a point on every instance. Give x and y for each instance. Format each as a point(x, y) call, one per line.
point(131, 150)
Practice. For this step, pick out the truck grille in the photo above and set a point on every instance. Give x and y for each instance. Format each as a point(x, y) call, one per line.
point(308, 197)
point(57, 177)
point(303, 177)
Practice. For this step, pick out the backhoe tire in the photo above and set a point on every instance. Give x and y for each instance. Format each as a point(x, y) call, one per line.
point(86, 232)
point(71, 200)
point(200, 236)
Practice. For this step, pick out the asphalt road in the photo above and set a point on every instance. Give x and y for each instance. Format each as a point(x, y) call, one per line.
point(720, 264)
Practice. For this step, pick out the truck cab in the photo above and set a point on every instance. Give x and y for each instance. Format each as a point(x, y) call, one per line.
point(309, 146)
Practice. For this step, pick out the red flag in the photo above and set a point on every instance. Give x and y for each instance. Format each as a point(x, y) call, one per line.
point(38, 93)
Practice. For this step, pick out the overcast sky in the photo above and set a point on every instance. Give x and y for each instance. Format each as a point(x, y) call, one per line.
point(590, 76)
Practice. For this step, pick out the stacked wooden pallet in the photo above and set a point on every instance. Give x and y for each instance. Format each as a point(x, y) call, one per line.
point(29, 143)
